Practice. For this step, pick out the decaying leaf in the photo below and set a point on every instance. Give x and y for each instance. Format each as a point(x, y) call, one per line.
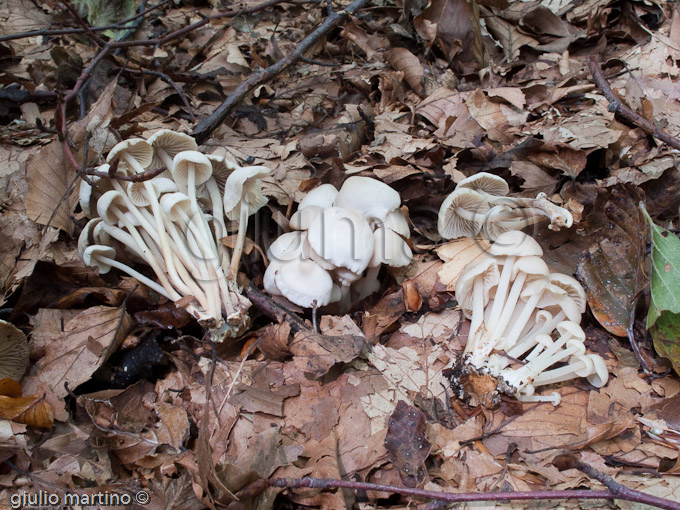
point(611, 269)
point(340, 341)
point(406, 445)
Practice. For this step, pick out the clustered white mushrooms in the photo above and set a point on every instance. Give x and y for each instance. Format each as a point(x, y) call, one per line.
point(174, 223)
point(339, 242)
point(521, 313)
point(480, 204)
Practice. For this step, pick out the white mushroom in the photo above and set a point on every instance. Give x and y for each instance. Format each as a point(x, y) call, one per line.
point(242, 197)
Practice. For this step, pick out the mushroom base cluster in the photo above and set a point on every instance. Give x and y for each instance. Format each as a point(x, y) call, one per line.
point(341, 238)
point(524, 326)
point(174, 224)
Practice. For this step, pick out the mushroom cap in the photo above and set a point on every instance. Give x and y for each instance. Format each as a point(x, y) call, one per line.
point(600, 373)
point(515, 243)
point(173, 203)
point(396, 221)
point(222, 169)
point(587, 366)
point(107, 202)
point(288, 246)
point(486, 183)
point(190, 161)
point(389, 248)
point(572, 286)
point(171, 142)
point(244, 185)
point(342, 237)
point(496, 221)
point(304, 217)
point(345, 277)
point(484, 271)
point(371, 197)
point(450, 222)
point(531, 266)
point(85, 193)
point(269, 278)
point(303, 281)
point(571, 330)
point(322, 196)
point(138, 193)
point(92, 254)
point(86, 237)
point(13, 352)
point(138, 148)
point(539, 285)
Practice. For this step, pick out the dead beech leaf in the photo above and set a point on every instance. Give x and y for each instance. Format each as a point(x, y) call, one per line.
point(74, 350)
point(31, 410)
point(406, 445)
point(454, 25)
point(10, 388)
point(456, 255)
point(341, 341)
point(508, 35)
point(50, 174)
point(611, 269)
point(383, 315)
point(405, 61)
point(602, 431)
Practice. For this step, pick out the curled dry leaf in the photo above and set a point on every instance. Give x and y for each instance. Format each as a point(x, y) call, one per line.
point(405, 61)
point(31, 410)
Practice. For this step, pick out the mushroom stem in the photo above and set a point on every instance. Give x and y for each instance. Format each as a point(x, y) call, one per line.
point(148, 257)
point(240, 240)
point(218, 215)
point(501, 291)
point(137, 275)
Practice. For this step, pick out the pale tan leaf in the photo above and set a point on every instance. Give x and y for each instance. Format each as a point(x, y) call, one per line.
point(51, 176)
point(75, 351)
point(405, 61)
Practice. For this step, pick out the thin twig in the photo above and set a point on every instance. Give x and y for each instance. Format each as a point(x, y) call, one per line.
point(205, 128)
point(623, 111)
point(321, 483)
point(83, 24)
point(570, 461)
point(46, 32)
point(174, 85)
point(272, 309)
point(140, 177)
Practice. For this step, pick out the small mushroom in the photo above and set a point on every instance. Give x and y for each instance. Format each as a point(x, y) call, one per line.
point(242, 197)
point(166, 144)
point(304, 283)
point(103, 258)
point(13, 352)
point(462, 214)
point(473, 291)
point(371, 197)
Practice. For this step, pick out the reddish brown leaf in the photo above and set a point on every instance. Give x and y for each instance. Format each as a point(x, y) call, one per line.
point(405, 442)
point(611, 269)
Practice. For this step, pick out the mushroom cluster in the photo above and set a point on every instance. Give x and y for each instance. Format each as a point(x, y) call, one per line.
point(480, 205)
point(340, 240)
point(515, 306)
point(174, 223)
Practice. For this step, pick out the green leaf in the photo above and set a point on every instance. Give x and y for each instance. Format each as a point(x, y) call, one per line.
point(665, 283)
point(666, 336)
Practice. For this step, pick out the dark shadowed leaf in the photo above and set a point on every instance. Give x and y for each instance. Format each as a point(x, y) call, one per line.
point(405, 442)
point(611, 269)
